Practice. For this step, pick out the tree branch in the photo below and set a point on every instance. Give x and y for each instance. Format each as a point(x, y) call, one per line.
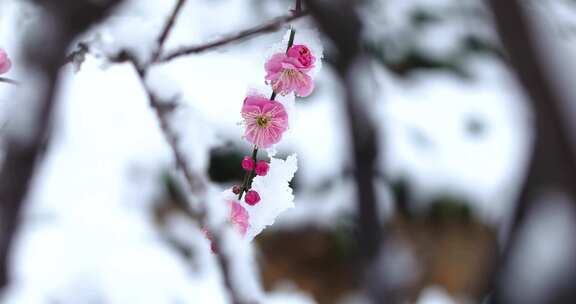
point(196, 182)
point(9, 81)
point(168, 27)
point(270, 26)
point(552, 163)
point(163, 109)
point(362, 132)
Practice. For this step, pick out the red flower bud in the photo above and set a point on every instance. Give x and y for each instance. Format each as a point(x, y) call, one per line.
point(248, 163)
point(252, 198)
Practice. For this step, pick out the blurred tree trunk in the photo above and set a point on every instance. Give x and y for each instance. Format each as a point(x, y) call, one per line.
point(44, 49)
point(342, 24)
point(552, 166)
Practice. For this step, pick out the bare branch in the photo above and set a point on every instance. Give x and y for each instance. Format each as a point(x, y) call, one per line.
point(9, 81)
point(168, 27)
point(270, 26)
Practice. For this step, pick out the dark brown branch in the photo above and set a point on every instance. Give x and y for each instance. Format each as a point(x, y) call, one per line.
point(9, 81)
point(168, 27)
point(24, 147)
point(270, 26)
point(552, 164)
point(362, 132)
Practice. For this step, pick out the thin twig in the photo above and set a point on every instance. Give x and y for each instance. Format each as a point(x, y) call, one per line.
point(270, 26)
point(9, 81)
point(168, 27)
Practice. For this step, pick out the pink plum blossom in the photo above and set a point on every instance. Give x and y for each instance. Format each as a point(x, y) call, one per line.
point(288, 72)
point(248, 163)
point(239, 216)
point(265, 120)
point(5, 62)
point(303, 54)
point(261, 168)
point(252, 198)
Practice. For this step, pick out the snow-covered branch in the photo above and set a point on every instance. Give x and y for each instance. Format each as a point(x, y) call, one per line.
point(197, 183)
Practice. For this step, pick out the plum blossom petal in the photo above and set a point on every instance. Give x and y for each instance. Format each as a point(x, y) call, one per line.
point(239, 216)
point(266, 120)
point(288, 72)
point(302, 54)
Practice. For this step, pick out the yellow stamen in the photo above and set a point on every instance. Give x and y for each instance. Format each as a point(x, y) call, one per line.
point(291, 73)
point(262, 121)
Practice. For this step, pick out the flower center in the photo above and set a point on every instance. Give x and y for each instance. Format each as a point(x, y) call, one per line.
point(262, 121)
point(291, 73)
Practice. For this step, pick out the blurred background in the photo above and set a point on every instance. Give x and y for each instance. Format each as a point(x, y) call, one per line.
point(104, 223)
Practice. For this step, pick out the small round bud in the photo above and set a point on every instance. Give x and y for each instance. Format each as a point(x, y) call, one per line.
point(252, 198)
point(236, 189)
point(262, 168)
point(248, 163)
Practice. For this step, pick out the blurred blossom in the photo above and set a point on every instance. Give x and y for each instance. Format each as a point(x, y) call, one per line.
point(5, 62)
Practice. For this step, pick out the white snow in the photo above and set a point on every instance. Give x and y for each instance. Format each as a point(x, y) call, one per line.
point(275, 193)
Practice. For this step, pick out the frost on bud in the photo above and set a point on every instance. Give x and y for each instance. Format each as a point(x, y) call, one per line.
point(248, 163)
point(252, 198)
point(262, 168)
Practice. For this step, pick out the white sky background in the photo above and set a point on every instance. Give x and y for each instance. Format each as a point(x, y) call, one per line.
point(87, 231)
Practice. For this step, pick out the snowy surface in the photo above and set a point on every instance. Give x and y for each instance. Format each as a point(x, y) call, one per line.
point(275, 193)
